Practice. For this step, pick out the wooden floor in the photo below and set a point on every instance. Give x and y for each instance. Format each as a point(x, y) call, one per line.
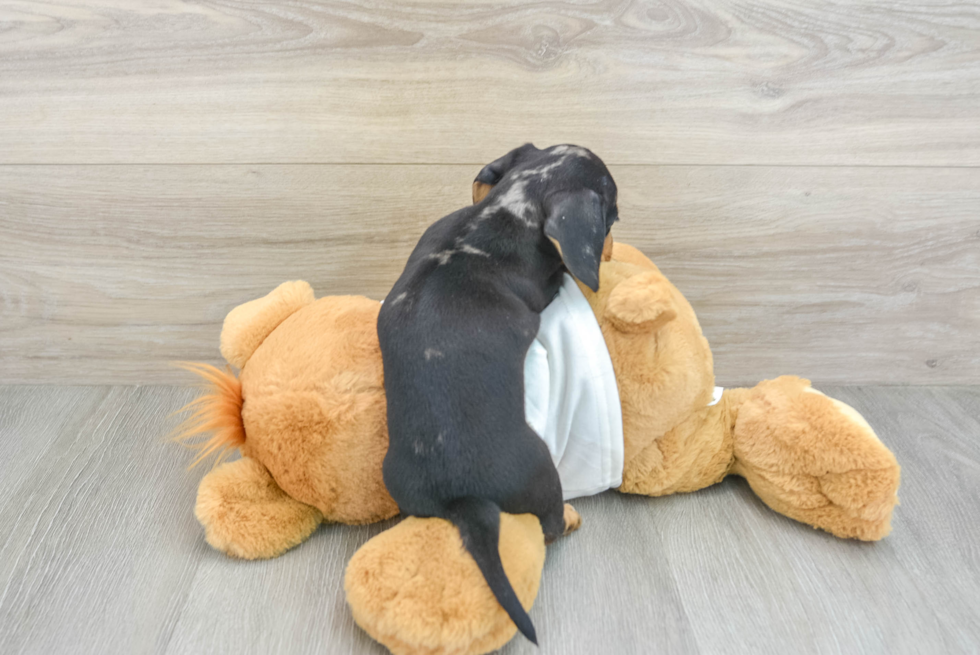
point(100, 552)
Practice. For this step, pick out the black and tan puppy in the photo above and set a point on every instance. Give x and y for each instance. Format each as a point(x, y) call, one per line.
point(454, 333)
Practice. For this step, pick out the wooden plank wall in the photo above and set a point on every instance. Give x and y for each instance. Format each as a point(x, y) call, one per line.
point(807, 173)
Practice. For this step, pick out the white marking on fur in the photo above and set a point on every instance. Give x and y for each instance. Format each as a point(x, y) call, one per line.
point(432, 352)
point(470, 250)
point(397, 299)
point(543, 171)
point(513, 200)
point(572, 150)
point(540, 171)
point(443, 256)
point(463, 249)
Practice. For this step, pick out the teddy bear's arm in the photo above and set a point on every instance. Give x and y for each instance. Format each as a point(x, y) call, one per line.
point(245, 513)
point(640, 304)
point(247, 326)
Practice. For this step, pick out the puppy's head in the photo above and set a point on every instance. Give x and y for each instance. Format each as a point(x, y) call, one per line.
point(574, 197)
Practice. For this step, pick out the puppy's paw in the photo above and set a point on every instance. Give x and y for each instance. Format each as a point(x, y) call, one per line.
point(572, 520)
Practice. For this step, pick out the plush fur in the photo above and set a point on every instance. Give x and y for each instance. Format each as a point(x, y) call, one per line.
point(310, 398)
point(313, 415)
point(246, 514)
point(413, 589)
point(246, 326)
point(314, 411)
point(216, 412)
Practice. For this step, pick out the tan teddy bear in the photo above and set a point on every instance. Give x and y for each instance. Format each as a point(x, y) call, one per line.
point(307, 412)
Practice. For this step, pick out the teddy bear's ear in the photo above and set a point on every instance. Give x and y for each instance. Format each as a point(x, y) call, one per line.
point(641, 304)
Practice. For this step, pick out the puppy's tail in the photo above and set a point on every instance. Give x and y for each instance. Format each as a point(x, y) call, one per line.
point(216, 412)
point(478, 522)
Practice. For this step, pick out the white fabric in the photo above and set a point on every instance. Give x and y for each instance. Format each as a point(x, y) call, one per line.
point(570, 396)
point(716, 396)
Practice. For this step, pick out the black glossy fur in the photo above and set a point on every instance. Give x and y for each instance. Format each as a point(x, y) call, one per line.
point(454, 333)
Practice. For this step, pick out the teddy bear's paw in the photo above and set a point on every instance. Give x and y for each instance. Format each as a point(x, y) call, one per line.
point(247, 326)
point(245, 514)
point(816, 460)
point(641, 303)
point(415, 589)
point(813, 500)
point(866, 494)
point(867, 491)
point(573, 521)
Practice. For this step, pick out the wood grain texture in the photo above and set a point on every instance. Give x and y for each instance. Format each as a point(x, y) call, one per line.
point(98, 547)
point(107, 273)
point(641, 82)
point(101, 553)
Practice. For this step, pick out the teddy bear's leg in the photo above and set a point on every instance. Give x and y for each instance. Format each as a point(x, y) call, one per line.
point(245, 513)
point(247, 326)
point(815, 460)
point(415, 589)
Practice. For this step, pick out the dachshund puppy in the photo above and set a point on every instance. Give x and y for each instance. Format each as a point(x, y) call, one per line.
point(454, 332)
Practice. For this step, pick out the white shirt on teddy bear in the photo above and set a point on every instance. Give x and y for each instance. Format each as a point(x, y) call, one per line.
point(570, 396)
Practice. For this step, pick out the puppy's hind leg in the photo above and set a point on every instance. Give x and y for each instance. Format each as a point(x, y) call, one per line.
point(572, 520)
point(558, 517)
point(541, 494)
point(548, 506)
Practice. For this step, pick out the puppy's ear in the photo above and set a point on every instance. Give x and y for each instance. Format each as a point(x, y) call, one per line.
point(576, 224)
point(480, 190)
point(493, 172)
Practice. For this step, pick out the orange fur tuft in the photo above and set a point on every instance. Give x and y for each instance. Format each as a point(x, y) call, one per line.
point(217, 411)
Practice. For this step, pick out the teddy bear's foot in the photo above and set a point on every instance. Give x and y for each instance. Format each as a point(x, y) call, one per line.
point(815, 460)
point(247, 326)
point(573, 521)
point(245, 513)
point(415, 589)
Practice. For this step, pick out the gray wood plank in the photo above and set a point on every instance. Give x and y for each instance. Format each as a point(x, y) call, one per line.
point(101, 552)
point(846, 275)
point(704, 82)
point(29, 429)
point(293, 604)
point(100, 545)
